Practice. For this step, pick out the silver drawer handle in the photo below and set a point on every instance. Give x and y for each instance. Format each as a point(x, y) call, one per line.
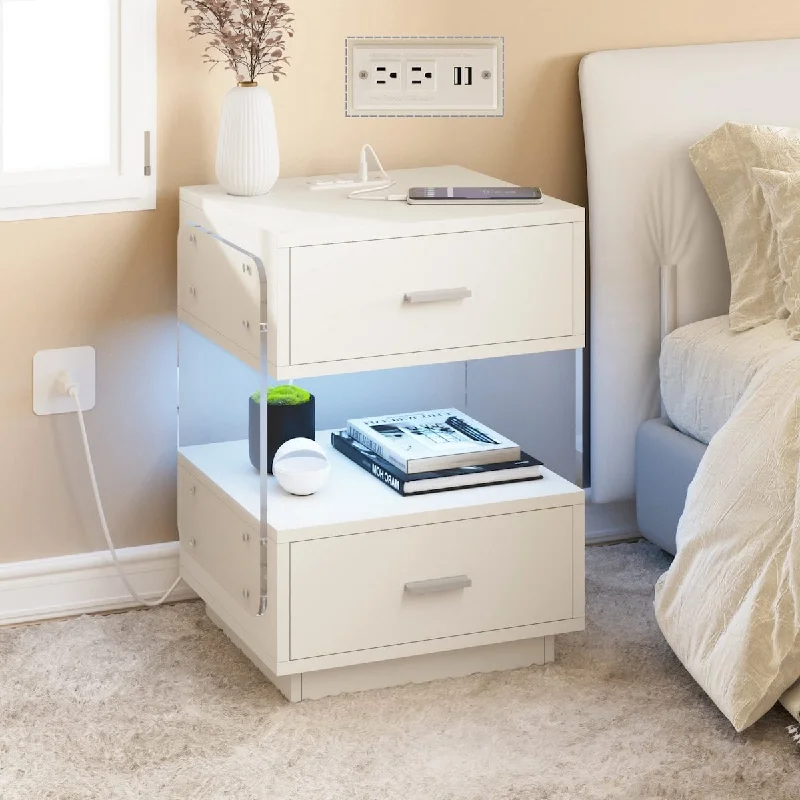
point(435, 585)
point(438, 295)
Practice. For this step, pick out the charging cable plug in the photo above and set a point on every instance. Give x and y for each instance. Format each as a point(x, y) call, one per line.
point(363, 166)
point(363, 173)
point(65, 385)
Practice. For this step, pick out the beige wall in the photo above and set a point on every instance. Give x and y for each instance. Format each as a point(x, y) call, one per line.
point(109, 280)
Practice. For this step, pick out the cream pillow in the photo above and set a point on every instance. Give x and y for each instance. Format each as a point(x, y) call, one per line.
point(723, 161)
point(782, 193)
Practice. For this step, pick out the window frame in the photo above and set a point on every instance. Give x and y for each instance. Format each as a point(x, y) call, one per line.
point(129, 184)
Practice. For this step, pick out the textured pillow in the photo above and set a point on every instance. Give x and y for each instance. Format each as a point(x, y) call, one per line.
point(782, 193)
point(723, 161)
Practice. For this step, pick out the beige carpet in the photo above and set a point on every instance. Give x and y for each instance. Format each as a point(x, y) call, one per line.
point(158, 704)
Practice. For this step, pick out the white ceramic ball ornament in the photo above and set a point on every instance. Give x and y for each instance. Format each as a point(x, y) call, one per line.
point(301, 467)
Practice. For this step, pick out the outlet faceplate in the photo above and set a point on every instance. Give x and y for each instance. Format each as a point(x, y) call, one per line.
point(435, 77)
point(48, 365)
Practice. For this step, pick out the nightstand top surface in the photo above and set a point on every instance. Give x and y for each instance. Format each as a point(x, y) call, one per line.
point(353, 501)
point(296, 216)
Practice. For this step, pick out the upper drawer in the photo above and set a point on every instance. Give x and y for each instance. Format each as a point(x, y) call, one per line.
point(431, 293)
point(431, 581)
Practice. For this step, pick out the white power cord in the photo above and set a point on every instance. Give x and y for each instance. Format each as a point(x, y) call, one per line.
point(67, 386)
point(363, 175)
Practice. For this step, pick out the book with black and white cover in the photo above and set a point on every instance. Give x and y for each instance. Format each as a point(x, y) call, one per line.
point(526, 468)
point(427, 441)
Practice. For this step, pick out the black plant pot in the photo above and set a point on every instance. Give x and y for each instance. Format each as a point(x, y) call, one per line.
point(283, 423)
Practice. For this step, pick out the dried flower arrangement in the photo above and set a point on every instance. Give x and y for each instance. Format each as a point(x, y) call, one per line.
point(248, 36)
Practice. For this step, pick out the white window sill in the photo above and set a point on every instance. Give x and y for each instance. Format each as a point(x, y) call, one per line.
point(147, 203)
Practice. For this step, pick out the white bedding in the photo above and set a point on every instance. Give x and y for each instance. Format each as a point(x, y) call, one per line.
point(729, 605)
point(706, 368)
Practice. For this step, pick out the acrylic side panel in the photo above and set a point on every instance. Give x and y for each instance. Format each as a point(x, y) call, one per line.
point(257, 405)
point(222, 303)
point(220, 284)
point(530, 399)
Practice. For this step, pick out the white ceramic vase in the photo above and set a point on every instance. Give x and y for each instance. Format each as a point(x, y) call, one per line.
point(248, 161)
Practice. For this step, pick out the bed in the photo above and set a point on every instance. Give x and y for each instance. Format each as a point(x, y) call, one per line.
point(704, 371)
point(671, 392)
point(657, 256)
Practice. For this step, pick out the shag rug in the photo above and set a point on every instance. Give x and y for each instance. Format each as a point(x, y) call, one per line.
point(159, 704)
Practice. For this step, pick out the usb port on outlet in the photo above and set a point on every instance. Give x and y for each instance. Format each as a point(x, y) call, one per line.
point(462, 76)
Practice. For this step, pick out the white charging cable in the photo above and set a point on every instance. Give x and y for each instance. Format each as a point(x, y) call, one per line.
point(363, 175)
point(67, 386)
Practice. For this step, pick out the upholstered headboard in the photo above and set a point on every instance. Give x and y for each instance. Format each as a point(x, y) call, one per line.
point(642, 110)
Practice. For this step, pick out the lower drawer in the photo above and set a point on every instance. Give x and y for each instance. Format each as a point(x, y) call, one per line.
point(219, 540)
point(432, 581)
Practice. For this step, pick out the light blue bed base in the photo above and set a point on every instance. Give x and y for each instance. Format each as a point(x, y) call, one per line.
point(666, 462)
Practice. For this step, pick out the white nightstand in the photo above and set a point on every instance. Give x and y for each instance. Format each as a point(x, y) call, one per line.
point(340, 591)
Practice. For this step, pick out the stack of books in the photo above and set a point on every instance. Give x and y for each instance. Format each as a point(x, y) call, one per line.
point(433, 451)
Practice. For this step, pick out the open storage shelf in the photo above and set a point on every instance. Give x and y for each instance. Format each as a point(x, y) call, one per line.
point(354, 501)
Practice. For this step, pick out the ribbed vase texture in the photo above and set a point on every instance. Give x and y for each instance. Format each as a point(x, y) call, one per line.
point(248, 161)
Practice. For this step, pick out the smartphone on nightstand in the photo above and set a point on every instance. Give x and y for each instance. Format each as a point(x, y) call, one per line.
point(474, 195)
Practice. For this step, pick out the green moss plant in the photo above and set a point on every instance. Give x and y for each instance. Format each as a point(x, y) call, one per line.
point(284, 396)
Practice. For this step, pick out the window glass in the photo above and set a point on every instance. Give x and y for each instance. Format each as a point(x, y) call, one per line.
point(57, 59)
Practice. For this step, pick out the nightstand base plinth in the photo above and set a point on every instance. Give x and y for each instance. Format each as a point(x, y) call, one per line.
point(401, 671)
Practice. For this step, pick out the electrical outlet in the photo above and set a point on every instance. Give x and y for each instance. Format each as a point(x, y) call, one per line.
point(421, 75)
point(49, 366)
point(385, 75)
point(441, 76)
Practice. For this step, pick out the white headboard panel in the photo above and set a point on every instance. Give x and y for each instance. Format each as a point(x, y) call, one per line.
point(642, 110)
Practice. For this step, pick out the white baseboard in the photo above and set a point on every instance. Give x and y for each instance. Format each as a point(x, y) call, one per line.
point(48, 588)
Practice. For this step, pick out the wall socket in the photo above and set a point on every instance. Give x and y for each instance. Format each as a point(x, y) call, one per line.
point(421, 75)
point(385, 76)
point(424, 77)
point(48, 365)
